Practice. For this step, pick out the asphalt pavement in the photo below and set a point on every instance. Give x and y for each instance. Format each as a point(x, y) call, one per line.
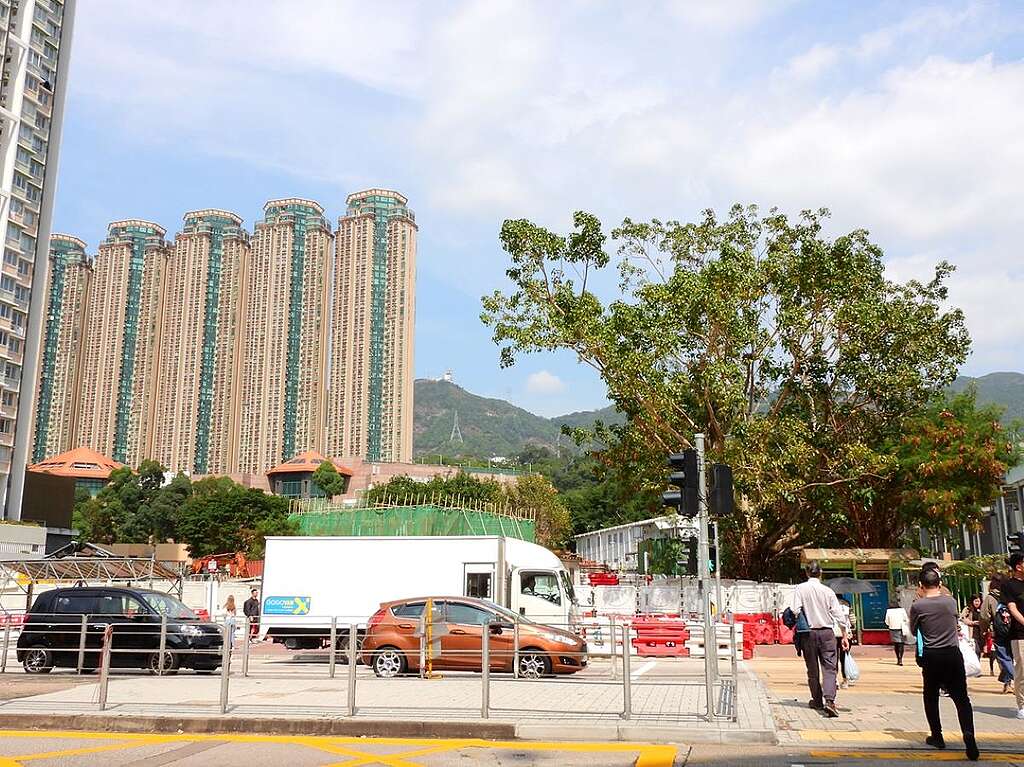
point(73, 749)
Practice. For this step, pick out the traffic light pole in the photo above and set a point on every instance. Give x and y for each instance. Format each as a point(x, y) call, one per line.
point(704, 579)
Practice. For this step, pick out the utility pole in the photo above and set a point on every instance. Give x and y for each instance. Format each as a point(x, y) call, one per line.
point(704, 579)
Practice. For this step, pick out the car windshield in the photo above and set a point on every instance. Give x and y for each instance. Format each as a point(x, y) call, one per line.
point(567, 585)
point(164, 604)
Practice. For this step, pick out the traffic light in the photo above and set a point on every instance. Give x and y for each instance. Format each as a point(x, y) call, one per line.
point(1016, 541)
point(684, 476)
point(688, 557)
point(721, 500)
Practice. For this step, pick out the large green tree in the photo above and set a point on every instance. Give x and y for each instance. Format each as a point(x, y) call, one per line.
point(329, 479)
point(789, 349)
point(133, 507)
point(222, 516)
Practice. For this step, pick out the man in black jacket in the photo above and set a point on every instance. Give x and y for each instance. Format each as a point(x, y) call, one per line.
point(251, 608)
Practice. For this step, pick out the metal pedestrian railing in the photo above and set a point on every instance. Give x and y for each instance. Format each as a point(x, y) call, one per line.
point(490, 670)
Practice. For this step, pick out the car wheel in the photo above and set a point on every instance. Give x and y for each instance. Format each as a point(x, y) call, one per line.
point(170, 664)
point(534, 664)
point(388, 662)
point(37, 660)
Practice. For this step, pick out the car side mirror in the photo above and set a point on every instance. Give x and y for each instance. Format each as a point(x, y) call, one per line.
point(495, 628)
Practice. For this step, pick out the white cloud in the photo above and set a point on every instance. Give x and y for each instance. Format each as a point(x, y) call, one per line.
point(503, 108)
point(813, 62)
point(543, 382)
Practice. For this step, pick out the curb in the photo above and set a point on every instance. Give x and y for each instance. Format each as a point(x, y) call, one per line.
point(214, 725)
point(385, 728)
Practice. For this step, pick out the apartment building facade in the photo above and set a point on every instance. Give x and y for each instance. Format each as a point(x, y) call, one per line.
point(35, 36)
point(226, 353)
point(60, 364)
point(369, 411)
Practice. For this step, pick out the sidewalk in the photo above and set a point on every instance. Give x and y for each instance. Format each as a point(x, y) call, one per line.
point(665, 708)
point(883, 709)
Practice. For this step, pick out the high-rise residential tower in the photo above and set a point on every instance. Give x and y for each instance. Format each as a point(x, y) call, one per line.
point(198, 354)
point(57, 399)
point(122, 322)
point(284, 335)
point(35, 36)
point(373, 310)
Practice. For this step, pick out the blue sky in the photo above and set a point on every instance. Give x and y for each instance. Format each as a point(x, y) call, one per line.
point(904, 118)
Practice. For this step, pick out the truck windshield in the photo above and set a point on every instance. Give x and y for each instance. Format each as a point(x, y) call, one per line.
point(165, 604)
point(569, 590)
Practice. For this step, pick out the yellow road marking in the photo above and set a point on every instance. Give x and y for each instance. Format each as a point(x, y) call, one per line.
point(649, 755)
point(882, 736)
point(914, 756)
point(76, 751)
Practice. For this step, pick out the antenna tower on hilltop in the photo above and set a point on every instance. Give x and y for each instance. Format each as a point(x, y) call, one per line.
point(456, 432)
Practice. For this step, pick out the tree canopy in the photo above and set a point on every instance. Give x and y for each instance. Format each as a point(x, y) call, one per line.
point(328, 479)
point(794, 354)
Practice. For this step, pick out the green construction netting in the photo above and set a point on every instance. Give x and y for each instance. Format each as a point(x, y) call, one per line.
point(412, 520)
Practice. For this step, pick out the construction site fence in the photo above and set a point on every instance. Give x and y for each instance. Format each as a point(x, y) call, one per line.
point(413, 520)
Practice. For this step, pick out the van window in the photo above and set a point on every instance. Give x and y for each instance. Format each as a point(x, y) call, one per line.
point(541, 584)
point(410, 610)
point(76, 604)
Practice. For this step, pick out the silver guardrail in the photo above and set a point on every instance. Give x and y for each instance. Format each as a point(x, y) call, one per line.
point(509, 653)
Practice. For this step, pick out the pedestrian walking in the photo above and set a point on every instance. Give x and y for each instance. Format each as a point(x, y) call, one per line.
point(251, 609)
point(970, 616)
point(230, 619)
point(1013, 597)
point(934, 618)
point(843, 628)
point(820, 607)
point(898, 623)
point(997, 624)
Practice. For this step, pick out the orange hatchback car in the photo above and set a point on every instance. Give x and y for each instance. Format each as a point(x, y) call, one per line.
point(392, 642)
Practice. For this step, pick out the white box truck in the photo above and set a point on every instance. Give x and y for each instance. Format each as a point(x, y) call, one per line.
point(307, 581)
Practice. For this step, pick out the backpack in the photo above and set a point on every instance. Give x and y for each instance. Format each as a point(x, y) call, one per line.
point(1001, 623)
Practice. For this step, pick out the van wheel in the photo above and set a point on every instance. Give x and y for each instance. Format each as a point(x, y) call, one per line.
point(341, 648)
point(388, 662)
point(170, 664)
point(37, 660)
point(534, 664)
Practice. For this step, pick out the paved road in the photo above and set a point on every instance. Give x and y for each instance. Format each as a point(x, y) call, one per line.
point(113, 750)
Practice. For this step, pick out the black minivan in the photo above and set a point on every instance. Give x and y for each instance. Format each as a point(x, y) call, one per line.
point(51, 636)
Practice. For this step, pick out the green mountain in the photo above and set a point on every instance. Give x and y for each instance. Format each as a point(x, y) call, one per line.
point(495, 427)
point(1006, 389)
point(488, 426)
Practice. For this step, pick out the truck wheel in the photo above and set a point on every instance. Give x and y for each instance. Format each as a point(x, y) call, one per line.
point(388, 662)
point(534, 664)
point(37, 660)
point(341, 651)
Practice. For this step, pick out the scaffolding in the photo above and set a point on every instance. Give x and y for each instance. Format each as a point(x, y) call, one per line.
point(410, 518)
point(26, 574)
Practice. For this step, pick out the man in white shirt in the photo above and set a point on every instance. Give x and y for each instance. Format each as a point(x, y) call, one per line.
point(822, 611)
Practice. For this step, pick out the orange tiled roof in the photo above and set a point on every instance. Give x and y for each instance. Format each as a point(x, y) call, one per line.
point(307, 462)
point(81, 463)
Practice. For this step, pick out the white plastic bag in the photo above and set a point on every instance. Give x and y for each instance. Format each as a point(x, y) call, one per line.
point(851, 671)
point(972, 666)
